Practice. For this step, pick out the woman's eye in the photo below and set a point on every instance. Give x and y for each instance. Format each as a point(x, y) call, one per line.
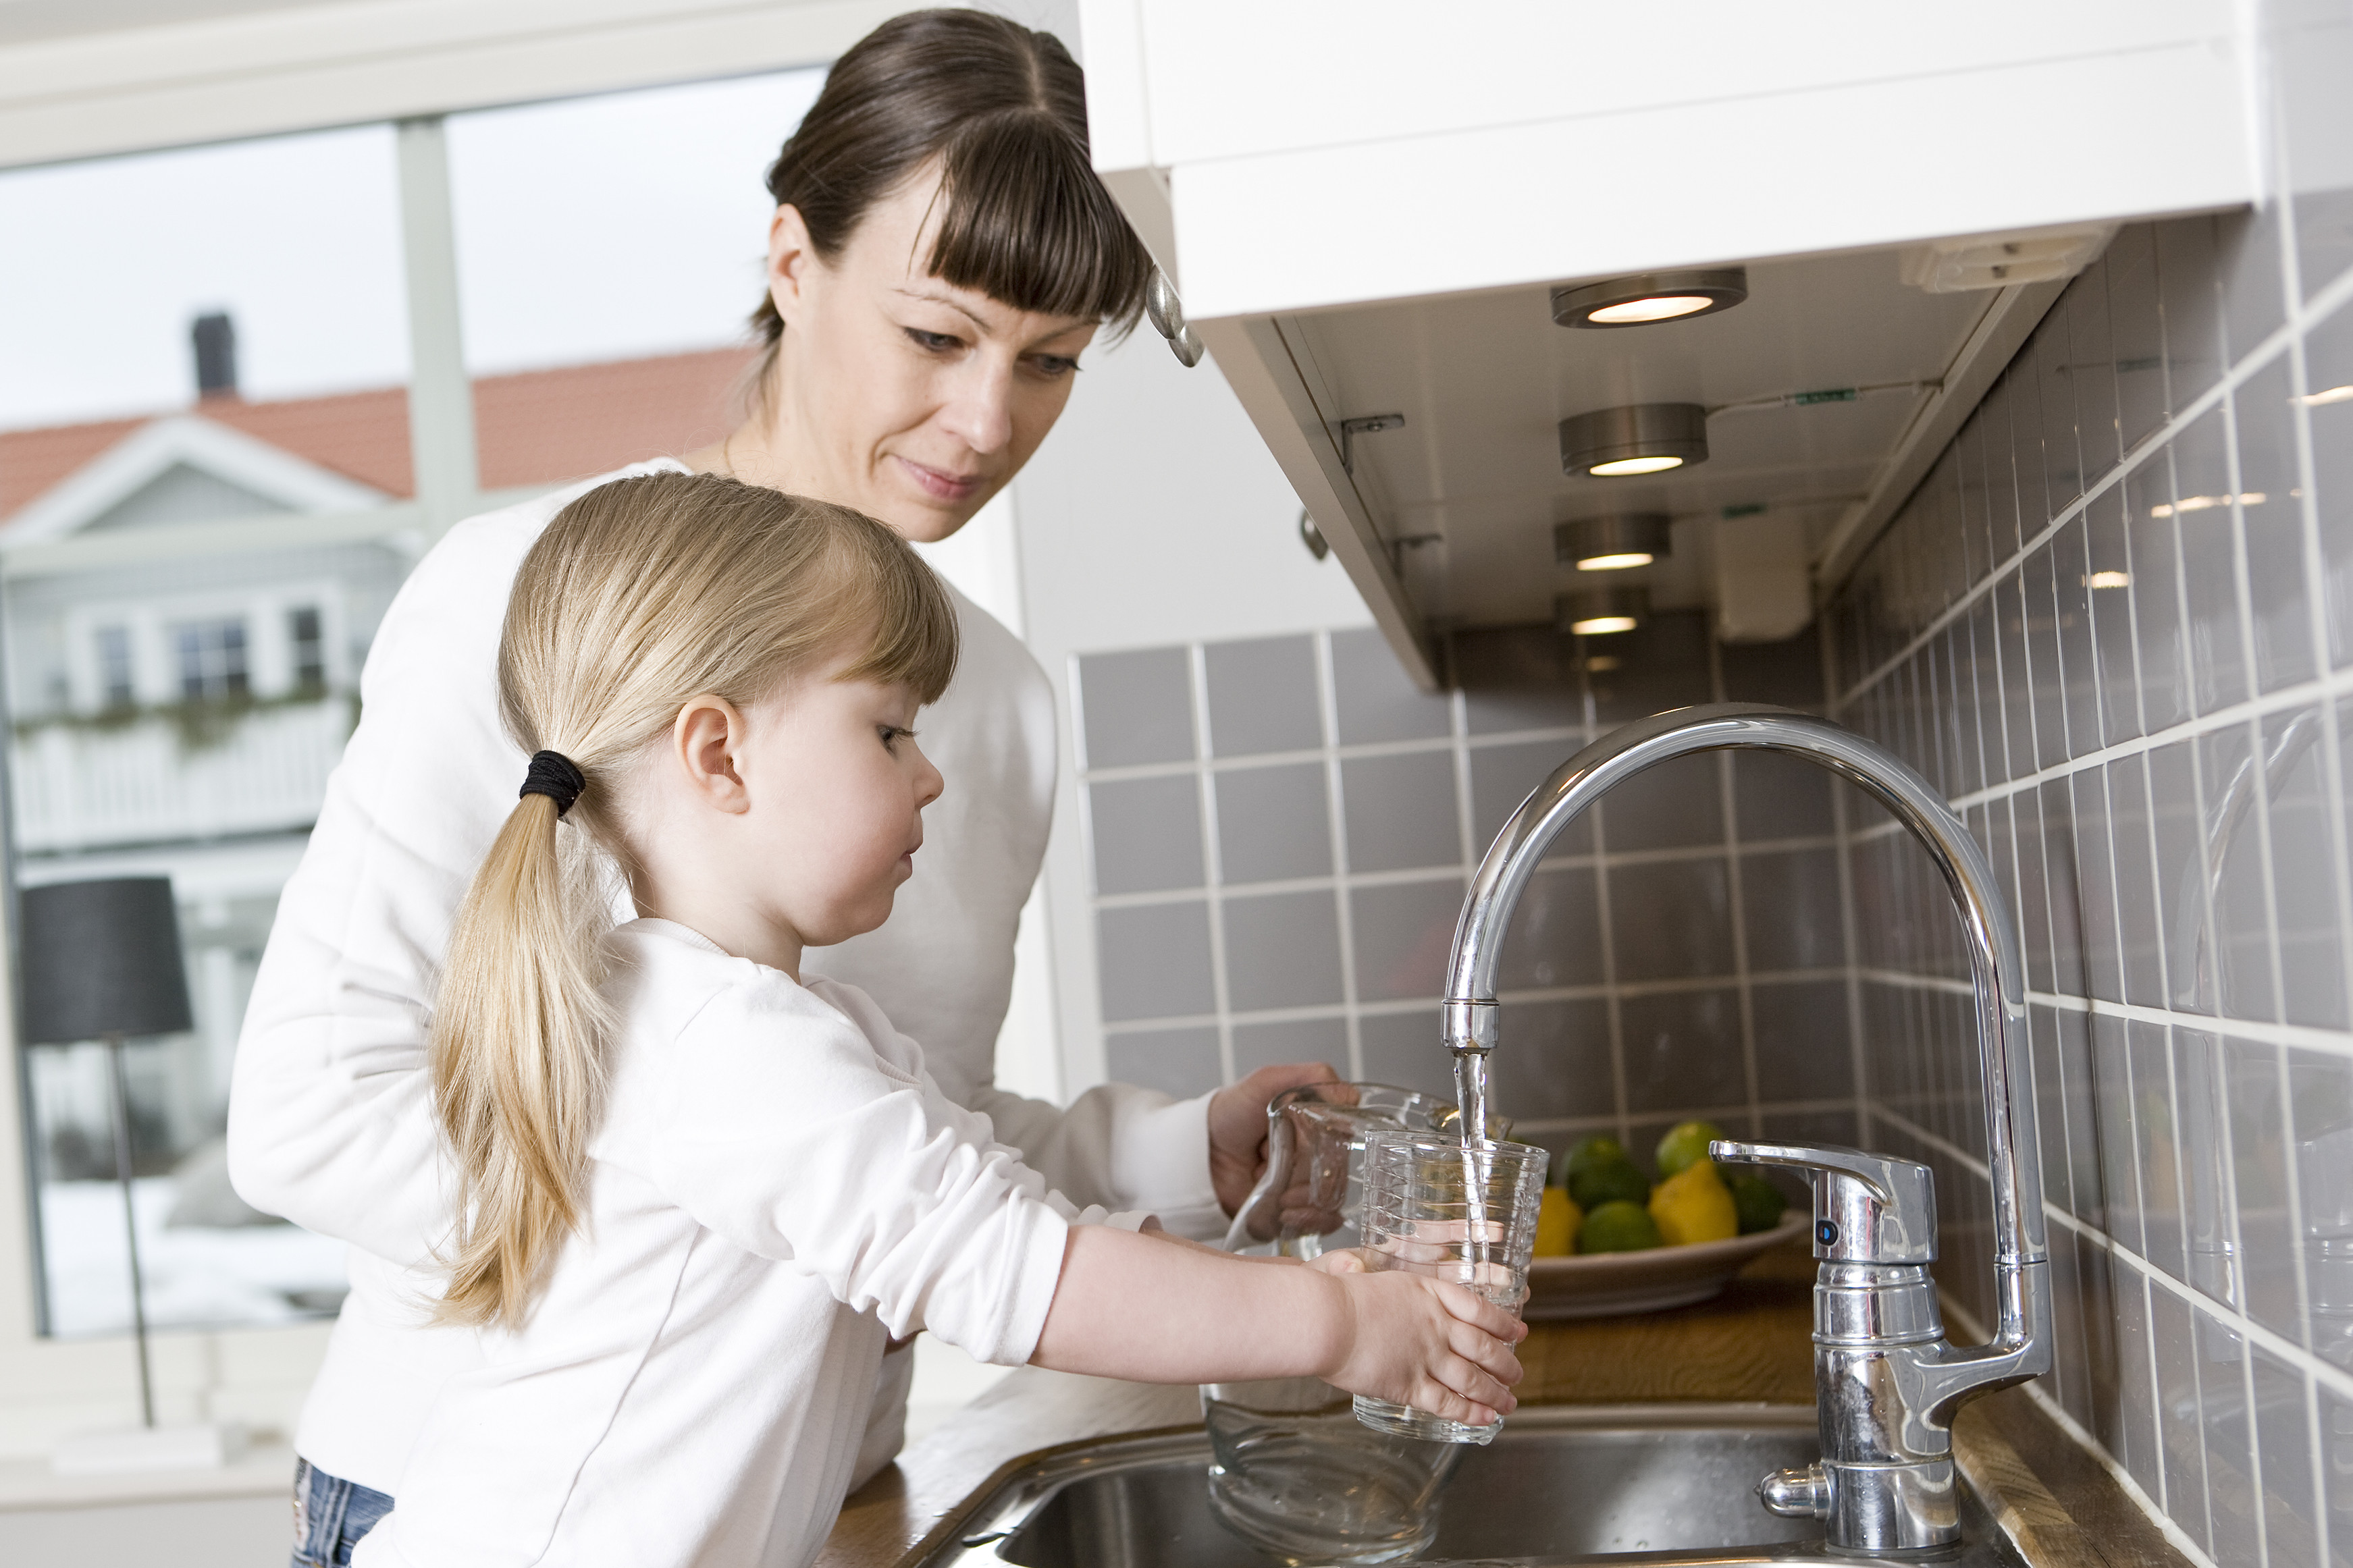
point(1055, 366)
point(935, 342)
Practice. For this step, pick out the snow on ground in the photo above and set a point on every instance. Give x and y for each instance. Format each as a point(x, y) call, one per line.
point(197, 1276)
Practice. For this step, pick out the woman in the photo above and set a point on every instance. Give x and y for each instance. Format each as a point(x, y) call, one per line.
point(940, 255)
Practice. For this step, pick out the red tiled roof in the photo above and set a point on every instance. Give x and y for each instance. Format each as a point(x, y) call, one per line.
point(533, 427)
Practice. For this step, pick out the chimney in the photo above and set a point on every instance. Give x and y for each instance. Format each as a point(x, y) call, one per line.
point(216, 339)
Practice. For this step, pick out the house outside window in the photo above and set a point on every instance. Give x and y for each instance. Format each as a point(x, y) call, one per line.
point(212, 660)
point(117, 688)
point(307, 644)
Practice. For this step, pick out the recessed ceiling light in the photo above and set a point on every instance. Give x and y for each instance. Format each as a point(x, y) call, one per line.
point(1599, 612)
point(1640, 439)
point(2109, 579)
point(1650, 297)
point(1614, 542)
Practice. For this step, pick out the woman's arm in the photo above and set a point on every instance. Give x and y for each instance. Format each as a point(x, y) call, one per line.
point(1155, 1309)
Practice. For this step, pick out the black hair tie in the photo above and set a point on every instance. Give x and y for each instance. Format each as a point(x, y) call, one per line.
point(557, 777)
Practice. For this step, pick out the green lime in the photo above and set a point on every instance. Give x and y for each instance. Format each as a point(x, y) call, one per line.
point(1619, 1226)
point(1594, 1149)
point(1756, 1201)
point(1611, 1182)
point(1685, 1144)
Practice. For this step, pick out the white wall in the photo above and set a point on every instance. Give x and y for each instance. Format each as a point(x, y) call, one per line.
point(1153, 514)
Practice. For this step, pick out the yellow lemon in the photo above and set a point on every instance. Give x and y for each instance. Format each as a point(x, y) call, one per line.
point(1693, 1205)
point(1556, 1224)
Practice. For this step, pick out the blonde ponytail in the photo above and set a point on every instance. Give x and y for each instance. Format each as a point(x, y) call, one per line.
point(640, 595)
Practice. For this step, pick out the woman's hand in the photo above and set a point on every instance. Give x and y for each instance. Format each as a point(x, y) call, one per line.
point(1237, 1126)
point(1424, 1343)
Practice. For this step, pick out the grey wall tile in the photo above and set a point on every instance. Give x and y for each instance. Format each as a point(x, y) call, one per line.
point(1674, 805)
point(1322, 1040)
point(2247, 252)
point(1554, 1062)
point(2328, 365)
point(1153, 961)
point(1373, 699)
point(2336, 1470)
point(1776, 797)
point(1503, 776)
point(2047, 681)
point(1790, 907)
point(2138, 1416)
point(2015, 459)
point(1788, 673)
point(2164, 663)
point(2283, 1440)
point(2303, 873)
point(2072, 577)
point(1138, 706)
point(1985, 654)
point(1400, 812)
point(1671, 921)
point(2139, 919)
point(2060, 866)
point(1283, 950)
point(1662, 665)
point(2150, 1047)
point(1404, 1048)
point(2264, 414)
point(2095, 884)
point(2019, 700)
point(1555, 938)
point(1263, 696)
point(2208, 525)
point(1273, 823)
point(2136, 328)
point(1145, 834)
point(2054, 396)
point(1518, 677)
point(2241, 937)
point(1403, 932)
point(2112, 1092)
point(1802, 1041)
point(2092, 370)
point(2181, 876)
point(2108, 564)
point(2314, 60)
point(2259, 1135)
point(1683, 1050)
point(2191, 297)
point(2229, 1456)
point(1182, 1062)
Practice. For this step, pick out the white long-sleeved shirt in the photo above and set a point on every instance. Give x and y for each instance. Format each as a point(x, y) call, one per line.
point(776, 1185)
point(330, 1115)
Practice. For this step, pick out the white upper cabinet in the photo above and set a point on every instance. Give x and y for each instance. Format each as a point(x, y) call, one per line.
point(1327, 182)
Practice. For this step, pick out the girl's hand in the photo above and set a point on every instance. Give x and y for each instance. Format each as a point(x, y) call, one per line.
point(1424, 1343)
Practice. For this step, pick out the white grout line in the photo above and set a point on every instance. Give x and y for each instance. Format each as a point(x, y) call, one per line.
point(1197, 666)
point(1327, 711)
point(2296, 1036)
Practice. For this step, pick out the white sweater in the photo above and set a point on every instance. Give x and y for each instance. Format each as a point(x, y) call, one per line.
point(330, 1120)
point(776, 1185)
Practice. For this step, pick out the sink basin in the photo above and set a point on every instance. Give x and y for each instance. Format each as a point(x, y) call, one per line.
point(1675, 1484)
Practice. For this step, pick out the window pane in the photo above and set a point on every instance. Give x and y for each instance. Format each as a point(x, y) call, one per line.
point(609, 251)
point(208, 336)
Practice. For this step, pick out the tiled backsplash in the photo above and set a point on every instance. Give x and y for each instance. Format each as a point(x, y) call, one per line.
point(1280, 833)
point(2115, 625)
point(2112, 625)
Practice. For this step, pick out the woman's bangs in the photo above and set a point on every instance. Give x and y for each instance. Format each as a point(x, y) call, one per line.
point(1025, 220)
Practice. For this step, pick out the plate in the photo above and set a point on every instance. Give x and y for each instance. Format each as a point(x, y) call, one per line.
point(1603, 1283)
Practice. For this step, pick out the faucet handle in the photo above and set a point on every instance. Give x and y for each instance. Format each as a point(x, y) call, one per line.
point(1868, 1208)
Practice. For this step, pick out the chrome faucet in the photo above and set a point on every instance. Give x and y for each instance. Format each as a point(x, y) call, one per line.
point(1887, 1381)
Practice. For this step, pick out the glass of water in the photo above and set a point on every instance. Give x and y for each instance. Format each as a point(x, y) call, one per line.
point(1466, 1213)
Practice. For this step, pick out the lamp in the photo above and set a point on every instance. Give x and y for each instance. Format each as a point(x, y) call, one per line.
point(1650, 297)
point(1597, 612)
point(1637, 438)
point(1613, 543)
point(100, 961)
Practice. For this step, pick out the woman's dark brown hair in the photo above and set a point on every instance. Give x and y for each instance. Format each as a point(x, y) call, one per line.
point(1003, 110)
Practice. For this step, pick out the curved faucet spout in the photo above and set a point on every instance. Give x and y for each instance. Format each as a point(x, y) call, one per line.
point(2021, 1346)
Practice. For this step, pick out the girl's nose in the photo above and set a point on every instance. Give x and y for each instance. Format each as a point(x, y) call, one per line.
point(929, 785)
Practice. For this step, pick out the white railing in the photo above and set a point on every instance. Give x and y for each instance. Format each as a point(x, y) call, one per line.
point(80, 786)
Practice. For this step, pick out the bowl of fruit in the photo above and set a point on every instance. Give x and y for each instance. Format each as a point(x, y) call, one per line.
point(1610, 1240)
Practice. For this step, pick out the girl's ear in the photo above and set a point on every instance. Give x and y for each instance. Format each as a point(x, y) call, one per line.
point(704, 739)
point(790, 258)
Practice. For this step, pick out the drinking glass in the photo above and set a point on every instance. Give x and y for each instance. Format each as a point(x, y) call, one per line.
point(1465, 1213)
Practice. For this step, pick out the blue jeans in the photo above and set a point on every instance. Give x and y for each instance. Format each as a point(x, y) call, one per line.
point(330, 1516)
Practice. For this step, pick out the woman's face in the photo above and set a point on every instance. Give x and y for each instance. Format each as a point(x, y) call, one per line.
point(902, 395)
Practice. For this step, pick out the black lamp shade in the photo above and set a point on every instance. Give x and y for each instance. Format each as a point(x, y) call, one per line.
point(102, 958)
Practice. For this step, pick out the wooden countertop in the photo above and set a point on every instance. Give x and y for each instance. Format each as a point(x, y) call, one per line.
point(1753, 1345)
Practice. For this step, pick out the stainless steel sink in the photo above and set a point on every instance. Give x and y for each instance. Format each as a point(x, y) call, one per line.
point(1662, 1484)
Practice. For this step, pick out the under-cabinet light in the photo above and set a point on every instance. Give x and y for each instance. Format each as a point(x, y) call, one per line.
point(1637, 438)
point(2205, 503)
point(1613, 543)
point(2322, 399)
point(2108, 580)
point(1649, 297)
point(1599, 612)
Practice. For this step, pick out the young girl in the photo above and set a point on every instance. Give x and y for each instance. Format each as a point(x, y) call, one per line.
point(698, 1193)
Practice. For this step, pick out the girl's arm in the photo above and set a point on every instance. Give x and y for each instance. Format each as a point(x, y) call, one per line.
point(1150, 1309)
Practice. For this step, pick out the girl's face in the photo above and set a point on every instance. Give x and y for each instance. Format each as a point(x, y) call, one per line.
point(908, 398)
point(787, 823)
